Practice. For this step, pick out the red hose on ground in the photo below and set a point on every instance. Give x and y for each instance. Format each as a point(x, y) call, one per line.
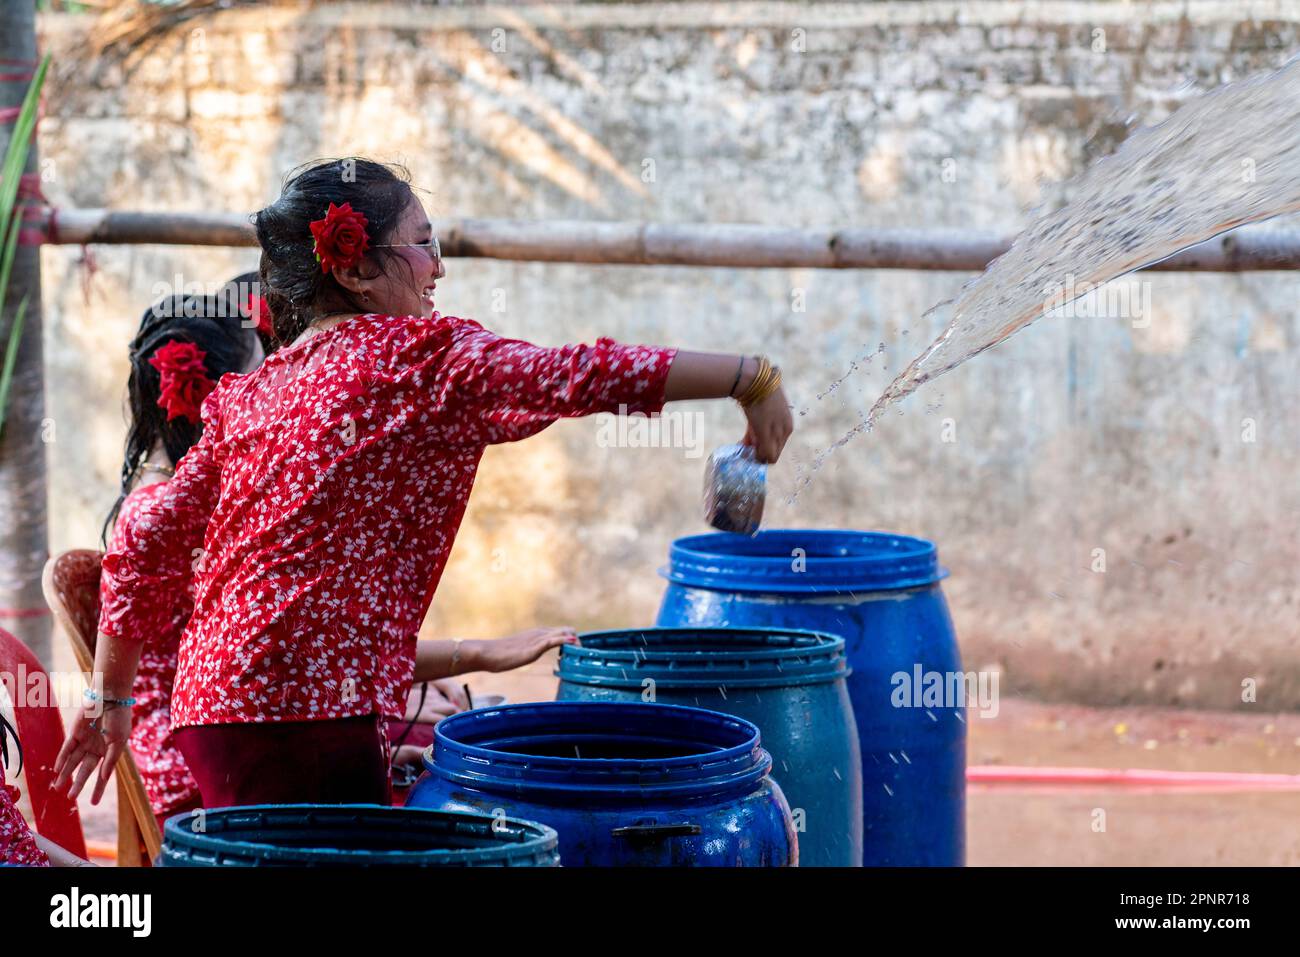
point(1234, 780)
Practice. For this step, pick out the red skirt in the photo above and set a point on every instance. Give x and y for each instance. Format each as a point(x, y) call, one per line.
point(333, 761)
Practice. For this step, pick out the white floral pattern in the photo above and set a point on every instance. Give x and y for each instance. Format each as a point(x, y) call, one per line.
point(317, 511)
point(162, 766)
point(17, 845)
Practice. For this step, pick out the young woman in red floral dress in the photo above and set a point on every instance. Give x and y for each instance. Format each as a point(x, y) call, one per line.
point(319, 507)
point(184, 345)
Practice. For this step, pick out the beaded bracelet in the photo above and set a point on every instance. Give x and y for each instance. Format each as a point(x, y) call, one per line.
point(93, 696)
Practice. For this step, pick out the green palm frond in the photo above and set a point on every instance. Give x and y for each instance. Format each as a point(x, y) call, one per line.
point(15, 161)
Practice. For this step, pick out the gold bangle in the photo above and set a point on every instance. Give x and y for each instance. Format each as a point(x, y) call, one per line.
point(770, 387)
point(455, 654)
point(755, 383)
point(765, 382)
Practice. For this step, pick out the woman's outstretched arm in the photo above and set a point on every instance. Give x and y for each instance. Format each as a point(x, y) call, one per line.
point(516, 387)
point(446, 658)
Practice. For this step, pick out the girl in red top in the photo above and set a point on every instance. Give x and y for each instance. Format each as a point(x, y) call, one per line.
point(321, 502)
point(185, 344)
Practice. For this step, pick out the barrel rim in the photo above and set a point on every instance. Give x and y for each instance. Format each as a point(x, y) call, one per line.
point(739, 765)
point(820, 660)
point(523, 839)
point(731, 562)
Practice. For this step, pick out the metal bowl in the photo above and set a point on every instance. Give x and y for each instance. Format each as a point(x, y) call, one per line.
point(735, 488)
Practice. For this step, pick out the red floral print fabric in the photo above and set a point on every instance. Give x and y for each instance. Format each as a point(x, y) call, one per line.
point(162, 766)
point(317, 511)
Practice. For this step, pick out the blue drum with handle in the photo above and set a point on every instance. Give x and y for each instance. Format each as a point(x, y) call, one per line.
point(642, 785)
point(879, 592)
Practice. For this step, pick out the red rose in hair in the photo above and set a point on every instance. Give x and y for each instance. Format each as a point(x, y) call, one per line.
point(341, 238)
point(182, 379)
point(256, 309)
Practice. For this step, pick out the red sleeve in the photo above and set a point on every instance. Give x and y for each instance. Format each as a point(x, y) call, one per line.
point(505, 389)
point(153, 558)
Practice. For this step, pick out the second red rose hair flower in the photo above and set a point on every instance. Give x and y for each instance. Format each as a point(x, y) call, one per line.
point(183, 381)
point(256, 309)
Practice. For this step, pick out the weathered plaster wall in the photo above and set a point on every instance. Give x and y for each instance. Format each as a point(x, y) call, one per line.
point(1074, 436)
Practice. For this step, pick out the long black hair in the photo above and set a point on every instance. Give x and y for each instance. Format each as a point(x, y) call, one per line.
point(293, 285)
point(8, 731)
point(217, 325)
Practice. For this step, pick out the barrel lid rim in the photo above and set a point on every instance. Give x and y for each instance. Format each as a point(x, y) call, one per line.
point(672, 667)
point(827, 643)
point(734, 764)
point(540, 837)
point(757, 771)
point(691, 562)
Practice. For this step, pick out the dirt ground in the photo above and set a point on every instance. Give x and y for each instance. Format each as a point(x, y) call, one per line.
point(1018, 825)
point(1042, 825)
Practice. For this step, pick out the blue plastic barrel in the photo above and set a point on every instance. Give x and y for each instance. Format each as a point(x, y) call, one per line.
point(788, 683)
point(880, 593)
point(623, 784)
point(352, 835)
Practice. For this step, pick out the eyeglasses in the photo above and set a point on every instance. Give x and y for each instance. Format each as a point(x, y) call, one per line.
point(432, 246)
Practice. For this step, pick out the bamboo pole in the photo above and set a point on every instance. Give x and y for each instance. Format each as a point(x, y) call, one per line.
point(1248, 249)
point(24, 537)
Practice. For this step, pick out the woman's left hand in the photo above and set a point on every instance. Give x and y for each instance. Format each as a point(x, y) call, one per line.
point(502, 654)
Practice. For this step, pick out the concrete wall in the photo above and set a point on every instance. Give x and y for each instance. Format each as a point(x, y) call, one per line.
point(1074, 436)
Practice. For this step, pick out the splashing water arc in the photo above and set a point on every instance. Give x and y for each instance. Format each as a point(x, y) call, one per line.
point(1223, 159)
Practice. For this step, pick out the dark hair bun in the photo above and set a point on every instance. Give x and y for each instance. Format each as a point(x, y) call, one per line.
point(293, 285)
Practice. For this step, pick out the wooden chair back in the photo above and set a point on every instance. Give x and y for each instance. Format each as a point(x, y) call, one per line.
point(71, 585)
